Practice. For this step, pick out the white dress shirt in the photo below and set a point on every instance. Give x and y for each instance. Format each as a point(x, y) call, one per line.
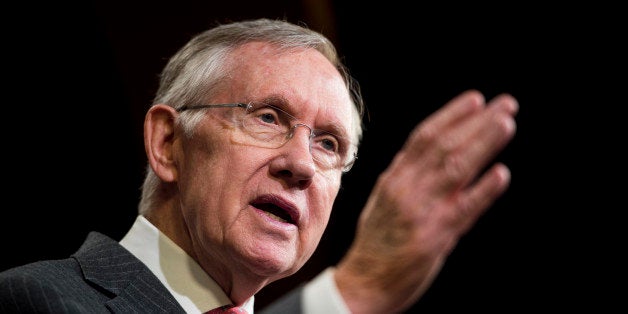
point(196, 291)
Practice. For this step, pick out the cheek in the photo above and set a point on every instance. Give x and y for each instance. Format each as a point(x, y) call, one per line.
point(219, 176)
point(322, 205)
point(207, 172)
point(212, 197)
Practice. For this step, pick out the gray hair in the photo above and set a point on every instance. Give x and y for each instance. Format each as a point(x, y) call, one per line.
point(195, 72)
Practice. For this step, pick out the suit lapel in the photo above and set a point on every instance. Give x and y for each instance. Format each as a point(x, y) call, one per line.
point(133, 287)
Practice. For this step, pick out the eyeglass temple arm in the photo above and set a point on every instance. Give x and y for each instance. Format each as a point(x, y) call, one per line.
point(186, 107)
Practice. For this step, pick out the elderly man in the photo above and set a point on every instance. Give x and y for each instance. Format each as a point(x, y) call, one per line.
point(247, 140)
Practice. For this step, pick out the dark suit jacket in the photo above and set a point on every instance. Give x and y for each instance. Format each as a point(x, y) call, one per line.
point(101, 277)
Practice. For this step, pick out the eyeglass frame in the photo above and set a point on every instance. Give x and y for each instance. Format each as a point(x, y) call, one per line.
point(345, 167)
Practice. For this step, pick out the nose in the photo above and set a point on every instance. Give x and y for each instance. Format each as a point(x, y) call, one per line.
point(294, 128)
point(301, 141)
point(295, 163)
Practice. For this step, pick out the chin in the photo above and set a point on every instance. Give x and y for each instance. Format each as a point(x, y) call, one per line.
point(275, 264)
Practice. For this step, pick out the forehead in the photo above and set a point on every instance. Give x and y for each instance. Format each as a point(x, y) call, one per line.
point(303, 79)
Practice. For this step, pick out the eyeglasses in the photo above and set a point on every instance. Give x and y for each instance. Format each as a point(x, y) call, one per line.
point(271, 127)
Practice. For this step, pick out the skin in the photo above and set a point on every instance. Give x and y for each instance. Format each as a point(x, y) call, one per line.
point(435, 189)
point(212, 182)
point(431, 194)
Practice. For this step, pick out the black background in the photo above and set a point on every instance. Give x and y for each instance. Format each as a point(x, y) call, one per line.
point(78, 79)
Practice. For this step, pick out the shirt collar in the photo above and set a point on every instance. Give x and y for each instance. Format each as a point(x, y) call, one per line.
point(193, 289)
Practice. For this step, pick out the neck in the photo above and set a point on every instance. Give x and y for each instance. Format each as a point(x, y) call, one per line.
point(239, 286)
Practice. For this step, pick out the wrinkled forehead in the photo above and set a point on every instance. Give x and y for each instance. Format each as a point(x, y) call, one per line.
point(301, 80)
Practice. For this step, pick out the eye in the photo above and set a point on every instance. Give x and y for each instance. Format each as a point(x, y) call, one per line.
point(329, 145)
point(267, 115)
point(328, 142)
point(268, 118)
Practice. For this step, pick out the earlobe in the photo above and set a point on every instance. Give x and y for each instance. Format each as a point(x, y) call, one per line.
point(159, 137)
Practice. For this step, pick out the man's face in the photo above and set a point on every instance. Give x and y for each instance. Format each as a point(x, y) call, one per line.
point(232, 193)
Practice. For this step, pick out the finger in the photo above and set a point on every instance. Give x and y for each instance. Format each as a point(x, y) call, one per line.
point(465, 150)
point(481, 126)
point(437, 123)
point(505, 102)
point(490, 133)
point(478, 197)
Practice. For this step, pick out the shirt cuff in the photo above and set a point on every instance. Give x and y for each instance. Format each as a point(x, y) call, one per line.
point(321, 295)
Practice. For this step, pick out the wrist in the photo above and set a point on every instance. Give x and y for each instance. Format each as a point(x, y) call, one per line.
point(360, 289)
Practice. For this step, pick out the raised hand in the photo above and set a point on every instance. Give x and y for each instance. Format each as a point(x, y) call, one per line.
point(435, 189)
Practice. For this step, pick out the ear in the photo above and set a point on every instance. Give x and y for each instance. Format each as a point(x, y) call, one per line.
point(159, 141)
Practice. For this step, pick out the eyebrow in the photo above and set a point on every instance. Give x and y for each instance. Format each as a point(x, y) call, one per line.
point(338, 130)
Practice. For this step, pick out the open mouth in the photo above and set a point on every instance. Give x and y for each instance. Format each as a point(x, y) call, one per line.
point(276, 208)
